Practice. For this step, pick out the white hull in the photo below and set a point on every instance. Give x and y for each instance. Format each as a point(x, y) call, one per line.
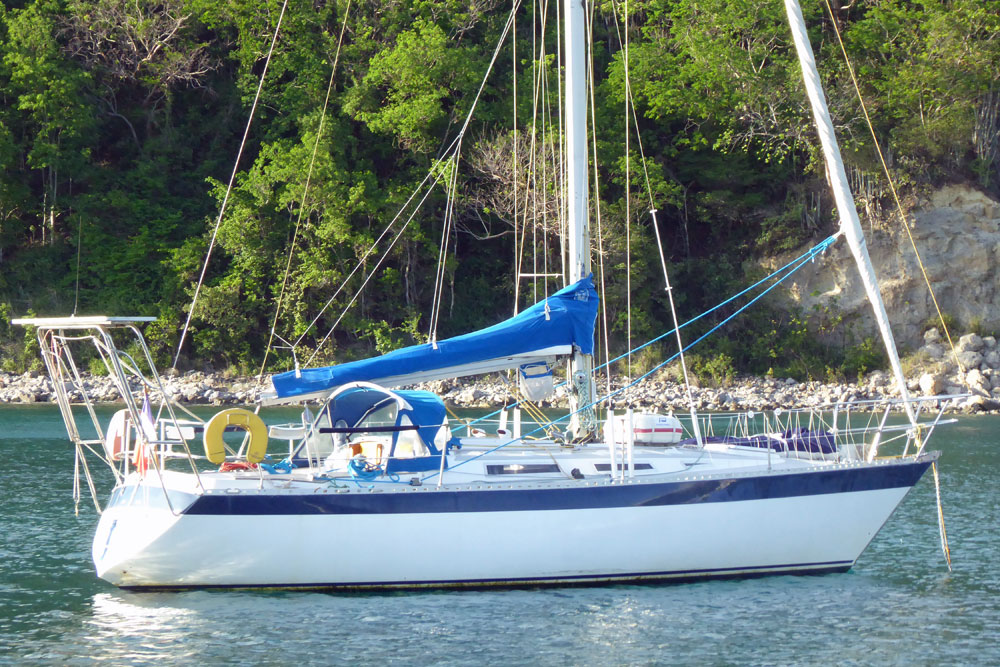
point(824, 532)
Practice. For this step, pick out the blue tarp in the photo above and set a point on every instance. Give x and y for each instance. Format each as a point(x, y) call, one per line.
point(572, 312)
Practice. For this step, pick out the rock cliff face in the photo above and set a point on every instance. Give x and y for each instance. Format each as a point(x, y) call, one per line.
point(957, 232)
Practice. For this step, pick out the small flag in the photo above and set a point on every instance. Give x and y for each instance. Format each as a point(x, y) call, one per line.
point(142, 451)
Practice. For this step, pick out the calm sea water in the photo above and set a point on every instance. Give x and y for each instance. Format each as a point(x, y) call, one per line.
point(899, 605)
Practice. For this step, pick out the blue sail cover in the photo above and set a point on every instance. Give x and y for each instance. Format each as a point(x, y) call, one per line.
point(572, 312)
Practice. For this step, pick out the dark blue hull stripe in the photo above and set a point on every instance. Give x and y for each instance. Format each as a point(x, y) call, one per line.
point(430, 501)
point(580, 579)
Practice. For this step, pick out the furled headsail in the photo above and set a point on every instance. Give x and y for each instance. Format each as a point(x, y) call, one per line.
point(557, 325)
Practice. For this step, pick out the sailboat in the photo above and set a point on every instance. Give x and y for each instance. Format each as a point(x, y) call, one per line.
point(377, 488)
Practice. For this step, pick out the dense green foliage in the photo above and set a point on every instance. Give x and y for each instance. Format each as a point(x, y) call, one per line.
point(120, 122)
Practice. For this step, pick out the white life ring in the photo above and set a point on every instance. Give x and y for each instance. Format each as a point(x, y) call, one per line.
point(116, 438)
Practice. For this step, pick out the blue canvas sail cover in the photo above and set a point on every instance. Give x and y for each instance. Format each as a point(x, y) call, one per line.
point(556, 325)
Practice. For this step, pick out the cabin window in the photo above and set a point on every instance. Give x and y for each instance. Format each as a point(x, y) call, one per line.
point(521, 468)
point(606, 467)
point(382, 416)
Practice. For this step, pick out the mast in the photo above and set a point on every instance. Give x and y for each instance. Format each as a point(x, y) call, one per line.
point(850, 225)
point(577, 212)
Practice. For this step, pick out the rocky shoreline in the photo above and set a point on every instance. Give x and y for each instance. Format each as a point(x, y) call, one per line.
point(974, 370)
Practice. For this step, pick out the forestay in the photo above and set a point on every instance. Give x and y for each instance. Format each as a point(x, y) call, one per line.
point(559, 325)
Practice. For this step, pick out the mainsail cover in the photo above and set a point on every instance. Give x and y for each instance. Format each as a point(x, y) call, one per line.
point(553, 326)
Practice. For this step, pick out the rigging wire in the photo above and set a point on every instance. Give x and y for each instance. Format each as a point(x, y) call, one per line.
point(528, 181)
point(79, 251)
point(229, 187)
point(540, 125)
point(539, 101)
point(597, 207)
point(431, 174)
point(450, 154)
point(798, 264)
point(788, 269)
point(791, 268)
point(630, 104)
point(549, 138)
point(305, 191)
point(368, 278)
point(628, 193)
point(453, 176)
point(892, 186)
point(515, 165)
point(562, 178)
point(446, 228)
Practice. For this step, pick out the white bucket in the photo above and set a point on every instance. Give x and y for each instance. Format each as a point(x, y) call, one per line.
point(536, 380)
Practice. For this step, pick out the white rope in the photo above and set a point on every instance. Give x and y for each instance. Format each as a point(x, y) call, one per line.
point(453, 183)
point(452, 152)
point(371, 274)
point(229, 187)
point(305, 191)
point(630, 102)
